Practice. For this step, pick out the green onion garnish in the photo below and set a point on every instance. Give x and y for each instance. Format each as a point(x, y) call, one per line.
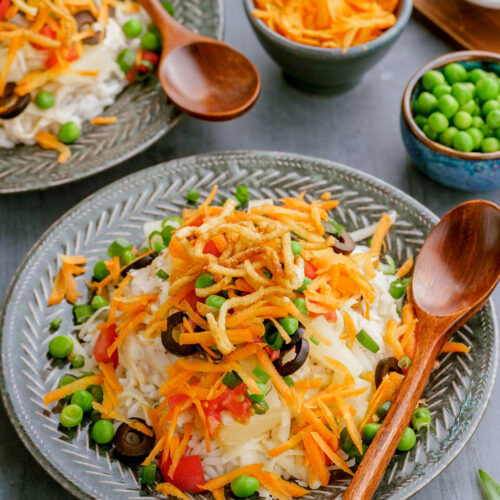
point(55, 324)
point(82, 313)
point(260, 407)
point(148, 473)
point(168, 219)
point(162, 275)
point(241, 195)
point(398, 288)
point(335, 229)
point(272, 337)
point(232, 380)
point(366, 341)
point(288, 380)
point(404, 363)
point(98, 302)
point(159, 247)
point(261, 374)
point(152, 235)
point(119, 246)
point(192, 196)
point(166, 234)
point(389, 268)
point(314, 340)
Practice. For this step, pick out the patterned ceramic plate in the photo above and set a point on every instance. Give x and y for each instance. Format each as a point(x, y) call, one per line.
point(458, 391)
point(144, 115)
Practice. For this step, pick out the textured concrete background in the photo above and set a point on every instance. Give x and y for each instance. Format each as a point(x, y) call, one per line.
point(359, 128)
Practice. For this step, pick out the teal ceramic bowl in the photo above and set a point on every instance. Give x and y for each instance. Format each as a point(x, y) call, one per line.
point(465, 171)
point(326, 70)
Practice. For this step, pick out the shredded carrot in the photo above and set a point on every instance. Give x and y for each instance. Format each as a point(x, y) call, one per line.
point(287, 445)
point(104, 120)
point(67, 390)
point(221, 481)
point(405, 268)
point(318, 426)
point(218, 494)
point(381, 231)
point(330, 453)
point(180, 450)
point(64, 284)
point(108, 371)
point(317, 467)
point(392, 340)
point(349, 423)
point(455, 347)
point(157, 448)
point(170, 490)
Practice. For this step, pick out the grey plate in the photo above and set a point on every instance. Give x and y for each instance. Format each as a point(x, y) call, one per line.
point(144, 115)
point(458, 391)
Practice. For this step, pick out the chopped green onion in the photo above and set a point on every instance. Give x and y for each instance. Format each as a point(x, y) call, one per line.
point(127, 257)
point(152, 235)
point(192, 196)
point(166, 234)
point(398, 288)
point(296, 248)
point(491, 487)
point(260, 407)
point(336, 228)
point(382, 410)
point(159, 247)
point(268, 274)
point(148, 474)
point(257, 397)
point(389, 268)
point(82, 313)
point(272, 338)
point(168, 219)
point(98, 302)
point(242, 195)
point(305, 284)
point(314, 340)
point(400, 314)
point(119, 246)
point(366, 341)
point(126, 60)
point(55, 324)
point(261, 374)
point(404, 363)
point(289, 380)
point(168, 6)
point(162, 275)
point(100, 270)
point(231, 380)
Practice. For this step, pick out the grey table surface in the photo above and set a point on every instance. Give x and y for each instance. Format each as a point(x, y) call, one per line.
point(359, 128)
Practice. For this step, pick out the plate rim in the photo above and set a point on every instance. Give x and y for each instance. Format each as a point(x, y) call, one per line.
point(192, 163)
point(122, 157)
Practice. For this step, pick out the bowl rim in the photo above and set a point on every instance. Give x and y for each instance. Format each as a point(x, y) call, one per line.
point(357, 50)
point(436, 63)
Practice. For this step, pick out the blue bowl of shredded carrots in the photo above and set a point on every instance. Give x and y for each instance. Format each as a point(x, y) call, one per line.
point(327, 48)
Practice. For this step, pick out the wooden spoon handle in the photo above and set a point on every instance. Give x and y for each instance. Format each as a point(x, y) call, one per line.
point(382, 448)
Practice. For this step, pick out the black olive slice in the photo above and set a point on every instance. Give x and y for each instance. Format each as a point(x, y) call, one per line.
point(294, 339)
point(301, 353)
point(344, 244)
point(385, 366)
point(84, 20)
point(132, 443)
point(167, 337)
point(11, 104)
point(140, 264)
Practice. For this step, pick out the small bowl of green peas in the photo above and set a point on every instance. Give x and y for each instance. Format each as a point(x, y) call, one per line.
point(450, 120)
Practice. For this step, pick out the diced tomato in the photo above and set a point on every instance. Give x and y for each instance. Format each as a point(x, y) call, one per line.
point(177, 399)
point(211, 248)
point(130, 76)
point(192, 299)
point(105, 339)
point(45, 31)
point(4, 5)
point(234, 401)
point(274, 355)
point(150, 56)
point(309, 270)
point(71, 55)
point(331, 317)
point(188, 474)
point(197, 222)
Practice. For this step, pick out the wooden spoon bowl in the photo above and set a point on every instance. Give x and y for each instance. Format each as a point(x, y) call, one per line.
point(456, 271)
point(205, 78)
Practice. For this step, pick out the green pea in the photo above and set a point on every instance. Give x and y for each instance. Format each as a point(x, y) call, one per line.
point(369, 431)
point(244, 486)
point(204, 281)
point(487, 131)
point(426, 103)
point(168, 6)
point(290, 324)
point(463, 142)
point(421, 419)
point(192, 196)
point(45, 99)
point(383, 410)
point(132, 28)
point(438, 122)
point(100, 270)
point(83, 399)
point(490, 106)
point(61, 346)
point(454, 73)
point(490, 145)
point(429, 132)
point(441, 90)
point(432, 79)
point(446, 137)
point(78, 361)
point(477, 74)
point(477, 122)
point(305, 284)
point(55, 324)
point(477, 136)
point(461, 93)
point(462, 120)
point(257, 398)
point(448, 105)
point(71, 416)
point(151, 41)
point(103, 431)
point(215, 301)
point(148, 473)
point(296, 248)
point(472, 108)
point(420, 120)
point(300, 304)
point(98, 302)
point(69, 132)
point(487, 88)
point(126, 60)
point(495, 134)
point(493, 119)
point(408, 440)
point(65, 380)
point(95, 416)
point(242, 194)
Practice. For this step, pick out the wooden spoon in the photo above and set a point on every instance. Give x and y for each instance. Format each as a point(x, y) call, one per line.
point(205, 78)
point(457, 269)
